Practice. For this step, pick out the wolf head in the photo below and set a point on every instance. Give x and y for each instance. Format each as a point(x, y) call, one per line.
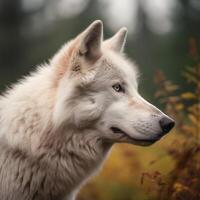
point(98, 89)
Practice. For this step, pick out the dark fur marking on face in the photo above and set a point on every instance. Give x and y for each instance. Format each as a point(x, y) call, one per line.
point(76, 68)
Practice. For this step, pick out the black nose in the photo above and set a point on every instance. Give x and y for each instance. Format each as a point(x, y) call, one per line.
point(166, 124)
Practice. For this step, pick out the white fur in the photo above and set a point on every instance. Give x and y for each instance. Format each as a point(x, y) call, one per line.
point(55, 125)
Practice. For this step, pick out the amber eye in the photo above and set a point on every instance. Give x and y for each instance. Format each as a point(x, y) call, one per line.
point(118, 88)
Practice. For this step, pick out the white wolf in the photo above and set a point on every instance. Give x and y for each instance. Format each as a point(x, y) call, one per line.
point(58, 124)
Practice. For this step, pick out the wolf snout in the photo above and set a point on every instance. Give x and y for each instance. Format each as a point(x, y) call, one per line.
point(166, 124)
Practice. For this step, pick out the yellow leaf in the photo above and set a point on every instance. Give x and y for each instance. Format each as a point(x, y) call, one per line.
point(170, 87)
point(193, 119)
point(179, 106)
point(190, 78)
point(180, 187)
point(188, 95)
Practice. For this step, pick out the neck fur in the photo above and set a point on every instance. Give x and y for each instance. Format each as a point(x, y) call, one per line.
point(75, 154)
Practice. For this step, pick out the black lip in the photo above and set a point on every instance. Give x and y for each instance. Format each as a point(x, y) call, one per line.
point(119, 131)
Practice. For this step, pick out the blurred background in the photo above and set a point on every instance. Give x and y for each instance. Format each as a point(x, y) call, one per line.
point(164, 37)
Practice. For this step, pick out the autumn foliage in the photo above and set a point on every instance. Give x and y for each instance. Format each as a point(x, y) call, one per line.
point(184, 179)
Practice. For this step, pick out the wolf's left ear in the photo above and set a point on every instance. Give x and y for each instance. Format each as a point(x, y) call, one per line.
point(91, 39)
point(117, 42)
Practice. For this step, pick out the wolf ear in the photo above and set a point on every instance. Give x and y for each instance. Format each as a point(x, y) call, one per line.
point(117, 42)
point(91, 39)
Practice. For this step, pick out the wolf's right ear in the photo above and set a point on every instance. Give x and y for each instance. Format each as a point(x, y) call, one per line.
point(117, 42)
point(90, 41)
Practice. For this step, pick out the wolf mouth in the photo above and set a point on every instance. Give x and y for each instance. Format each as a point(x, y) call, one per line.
point(119, 131)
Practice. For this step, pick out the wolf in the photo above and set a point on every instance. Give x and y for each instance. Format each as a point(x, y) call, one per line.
point(58, 124)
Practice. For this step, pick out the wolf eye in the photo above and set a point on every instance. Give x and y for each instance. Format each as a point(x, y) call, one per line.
point(118, 88)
